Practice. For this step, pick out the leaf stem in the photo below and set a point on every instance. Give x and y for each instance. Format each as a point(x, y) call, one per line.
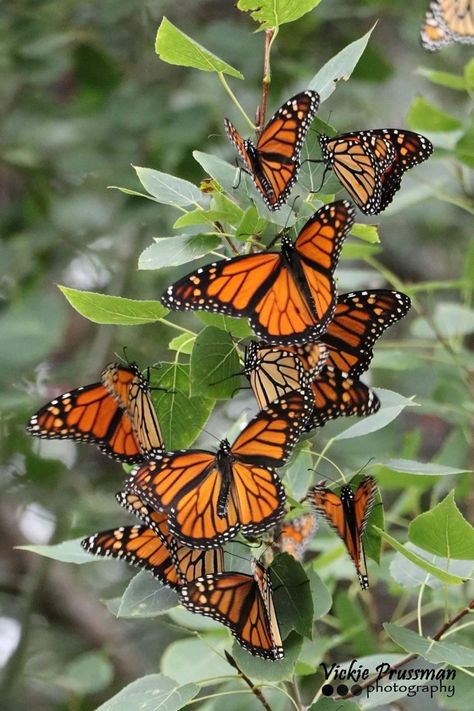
point(266, 81)
point(235, 100)
point(255, 690)
point(176, 326)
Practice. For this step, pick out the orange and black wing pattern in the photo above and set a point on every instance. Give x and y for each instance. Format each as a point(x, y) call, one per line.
point(446, 22)
point(359, 320)
point(275, 372)
point(336, 395)
point(89, 414)
point(139, 546)
point(274, 162)
point(296, 534)
point(209, 496)
point(347, 514)
point(241, 602)
point(288, 297)
point(132, 392)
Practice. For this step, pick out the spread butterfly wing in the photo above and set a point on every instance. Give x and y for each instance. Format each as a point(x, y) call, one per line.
point(336, 395)
point(89, 414)
point(139, 546)
point(359, 320)
point(236, 600)
point(273, 163)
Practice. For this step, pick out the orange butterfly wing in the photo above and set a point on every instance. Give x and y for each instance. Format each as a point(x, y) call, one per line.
point(241, 602)
point(335, 395)
point(448, 21)
point(273, 163)
point(89, 414)
point(296, 535)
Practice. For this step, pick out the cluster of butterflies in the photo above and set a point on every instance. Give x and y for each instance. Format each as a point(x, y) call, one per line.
point(313, 345)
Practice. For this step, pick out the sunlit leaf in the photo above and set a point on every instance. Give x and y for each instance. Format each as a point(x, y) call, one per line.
point(105, 309)
point(154, 692)
point(392, 404)
point(67, 551)
point(169, 190)
point(443, 531)
point(174, 251)
point(273, 13)
point(452, 81)
point(422, 468)
point(174, 47)
point(423, 116)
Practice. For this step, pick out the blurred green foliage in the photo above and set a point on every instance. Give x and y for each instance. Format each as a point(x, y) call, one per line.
point(83, 98)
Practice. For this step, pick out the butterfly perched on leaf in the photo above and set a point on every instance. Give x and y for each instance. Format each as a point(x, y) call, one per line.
point(370, 164)
point(446, 22)
point(288, 296)
point(210, 496)
point(152, 547)
point(273, 162)
point(244, 603)
point(348, 514)
point(296, 534)
point(115, 414)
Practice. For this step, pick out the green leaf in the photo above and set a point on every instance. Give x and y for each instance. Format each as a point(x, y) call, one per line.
point(237, 327)
point(222, 172)
point(444, 576)
point(105, 309)
point(181, 417)
point(174, 47)
point(299, 473)
point(169, 190)
point(154, 692)
point(353, 620)
point(423, 116)
point(145, 596)
point(276, 670)
point(199, 216)
point(272, 13)
point(215, 366)
point(443, 531)
point(66, 552)
point(421, 468)
point(435, 652)
point(449, 320)
point(395, 359)
point(251, 224)
point(469, 74)
point(367, 233)
point(462, 699)
point(392, 404)
point(465, 146)
point(87, 674)
point(183, 343)
point(190, 660)
point(376, 520)
point(409, 575)
point(339, 68)
point(174, 251)
point(452, 81)
point(321, 595)
point(292, 596)
point(353, 250)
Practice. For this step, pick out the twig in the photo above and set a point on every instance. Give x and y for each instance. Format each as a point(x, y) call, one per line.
point(413, 655)
point(267, 77)
point(255, 690)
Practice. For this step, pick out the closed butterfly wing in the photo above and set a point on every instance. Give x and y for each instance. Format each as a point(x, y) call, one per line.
point(133, 394)
point(359, 320)
point(296, 535)
point(243, 603)
point(89, 414)
point(288, 297)
point(448, 21)
point(273, 163)
point(336, 395)
point(410, 150)
point(139, 546)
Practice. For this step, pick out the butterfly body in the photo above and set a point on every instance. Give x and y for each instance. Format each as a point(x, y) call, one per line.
point(273, 162)
point(370, 164)
point(289, 296)
point(348, 514)
point(243, 603)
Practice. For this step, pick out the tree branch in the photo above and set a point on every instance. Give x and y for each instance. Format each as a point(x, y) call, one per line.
point(255, 690)
point(267, 77)
point(413, 655)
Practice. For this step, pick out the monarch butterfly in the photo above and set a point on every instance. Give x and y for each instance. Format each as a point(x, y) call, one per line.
point(348, 515)
point(116, 414)
point(244, 603)
point(209, 496)
point(448, 21)
point(359, 320)
point(190, 563)
point(296, 535)
point(337, 395)
point(288, 297)
point(370, 164)
point(274, 372)
point(274, 162)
